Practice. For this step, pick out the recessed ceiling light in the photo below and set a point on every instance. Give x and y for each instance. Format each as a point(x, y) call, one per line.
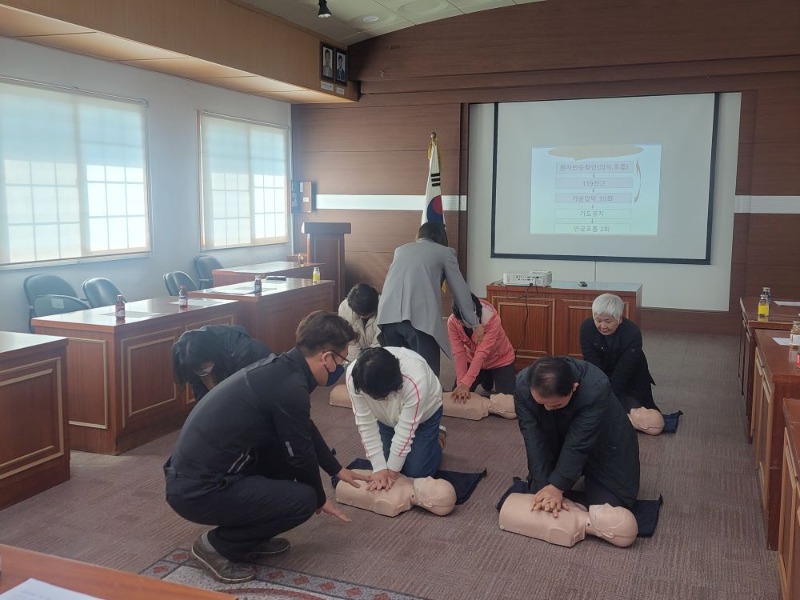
point(370, 19)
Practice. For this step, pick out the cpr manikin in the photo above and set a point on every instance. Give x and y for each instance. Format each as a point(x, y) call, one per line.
point(435, 495)
point(614, 524)
point(476, 407)
point(646, 420)
point(340, 397)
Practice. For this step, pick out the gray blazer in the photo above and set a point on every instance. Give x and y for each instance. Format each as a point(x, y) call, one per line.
point(413, 289)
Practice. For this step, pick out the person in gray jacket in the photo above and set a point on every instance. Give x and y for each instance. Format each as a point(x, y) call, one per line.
point(410, 308)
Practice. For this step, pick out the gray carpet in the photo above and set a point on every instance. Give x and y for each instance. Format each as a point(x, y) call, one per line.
point(709, 543)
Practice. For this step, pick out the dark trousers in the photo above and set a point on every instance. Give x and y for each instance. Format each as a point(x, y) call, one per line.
point(404, 335)
point(594, 492)
point(501, 380)
point(246, 509)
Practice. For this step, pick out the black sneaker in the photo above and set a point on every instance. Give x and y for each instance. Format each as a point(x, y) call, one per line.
point(221, 568)
point(274, 546)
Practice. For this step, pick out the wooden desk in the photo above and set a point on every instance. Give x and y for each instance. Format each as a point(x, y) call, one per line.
point(244, 273)
point(34, 453)
point(273, 315)
point(789, 527)
point(546, 320)
point(20, 565)
point(775, 377)
point(780, 318)
point(121, 388)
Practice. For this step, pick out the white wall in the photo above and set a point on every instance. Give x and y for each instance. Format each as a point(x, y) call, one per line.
point(173, 163)
point(697, 287)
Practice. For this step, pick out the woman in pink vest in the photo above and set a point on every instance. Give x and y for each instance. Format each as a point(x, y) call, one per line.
point(490, 362)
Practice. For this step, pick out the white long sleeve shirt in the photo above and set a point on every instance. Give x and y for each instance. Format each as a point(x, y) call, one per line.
point(404, 410)
point(366, 332)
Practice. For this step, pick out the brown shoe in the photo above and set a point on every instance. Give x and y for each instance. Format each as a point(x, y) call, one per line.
point(221, 568)
point(270, 547)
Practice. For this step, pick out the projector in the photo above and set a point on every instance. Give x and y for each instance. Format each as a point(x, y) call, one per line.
point(537, 278)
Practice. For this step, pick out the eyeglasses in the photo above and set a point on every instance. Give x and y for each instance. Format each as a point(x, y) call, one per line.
point(345, 362)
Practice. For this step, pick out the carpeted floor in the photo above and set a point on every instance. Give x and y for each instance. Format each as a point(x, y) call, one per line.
point(270, 583)
point(709, 543)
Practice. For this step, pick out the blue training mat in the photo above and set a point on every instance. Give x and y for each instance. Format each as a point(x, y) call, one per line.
point(645, 511)
point(464, 483)
point(671, 422)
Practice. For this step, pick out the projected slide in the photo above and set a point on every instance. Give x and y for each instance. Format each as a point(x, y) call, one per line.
point(606, 189)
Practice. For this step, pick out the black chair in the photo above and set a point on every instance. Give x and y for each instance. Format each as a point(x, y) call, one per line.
point(39, 285)
point(100, 291)
point(175, 279)
point(52, 304)
point(204, 264)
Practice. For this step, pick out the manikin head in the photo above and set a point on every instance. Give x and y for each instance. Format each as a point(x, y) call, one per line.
point(607, 313)
point(502, 405)
point(614, 524)
point(647, 420)
point(436, 495)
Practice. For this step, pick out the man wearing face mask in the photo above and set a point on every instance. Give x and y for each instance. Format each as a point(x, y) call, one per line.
point(248, 457)
point(397, 402)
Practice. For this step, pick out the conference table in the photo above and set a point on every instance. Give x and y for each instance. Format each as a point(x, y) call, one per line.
point(34, 453)
point(244, 273)
point(20, 565)
point(119, 373)
point(782, 313)
point(273, 315)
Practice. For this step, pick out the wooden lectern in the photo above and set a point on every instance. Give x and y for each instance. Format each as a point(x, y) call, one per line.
point(326, 245)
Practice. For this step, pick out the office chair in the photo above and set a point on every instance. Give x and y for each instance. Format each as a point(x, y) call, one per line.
point(52, 304)
point(100, 291)
point(205, 264)
point(39, 285)
point(175, 279)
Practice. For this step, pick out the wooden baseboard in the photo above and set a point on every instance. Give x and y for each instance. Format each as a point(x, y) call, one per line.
point(695, 321)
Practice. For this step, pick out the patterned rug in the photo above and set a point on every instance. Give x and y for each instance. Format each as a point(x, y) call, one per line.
point(270, 583)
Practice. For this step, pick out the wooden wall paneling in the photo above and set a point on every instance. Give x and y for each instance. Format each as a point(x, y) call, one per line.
point(747, 129)
point(389, 172)
point(542, 36)
point(373, 129)
point(777, 115)
point(775, 171)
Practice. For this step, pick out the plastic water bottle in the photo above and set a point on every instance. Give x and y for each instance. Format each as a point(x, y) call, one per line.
point(315, 275)
point(257, 285)
point(183, 298)
point(119, 308)
point(763, 308)
point(794, 336)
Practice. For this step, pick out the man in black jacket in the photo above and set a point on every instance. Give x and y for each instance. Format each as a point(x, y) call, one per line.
point(248, 457)
point(573, 425)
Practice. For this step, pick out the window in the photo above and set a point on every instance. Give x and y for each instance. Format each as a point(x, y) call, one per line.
point(73, 181)
point(245, 191)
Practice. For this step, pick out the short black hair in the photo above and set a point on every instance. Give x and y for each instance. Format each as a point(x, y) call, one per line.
point(323, 330)
point(363, 299)
point(551, 376)
point(475, 302)
point(194, 348)
point(377, 373)
point(434, 232)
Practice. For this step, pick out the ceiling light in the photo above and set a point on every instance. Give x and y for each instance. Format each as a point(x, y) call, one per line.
point(323, 13)
point(370, 19)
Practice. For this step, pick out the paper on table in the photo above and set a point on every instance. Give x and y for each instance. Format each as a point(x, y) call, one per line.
point(33, 589)
point(786, 303)
point(781, 341)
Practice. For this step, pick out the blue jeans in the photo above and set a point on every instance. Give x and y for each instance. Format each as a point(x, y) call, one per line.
point(426, 455)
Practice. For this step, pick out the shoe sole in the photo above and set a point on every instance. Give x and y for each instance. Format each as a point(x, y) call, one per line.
point(273, 553)
point(216, 575)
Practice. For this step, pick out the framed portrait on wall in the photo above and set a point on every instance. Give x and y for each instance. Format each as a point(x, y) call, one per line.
point(341, 67)
point(326, 55)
